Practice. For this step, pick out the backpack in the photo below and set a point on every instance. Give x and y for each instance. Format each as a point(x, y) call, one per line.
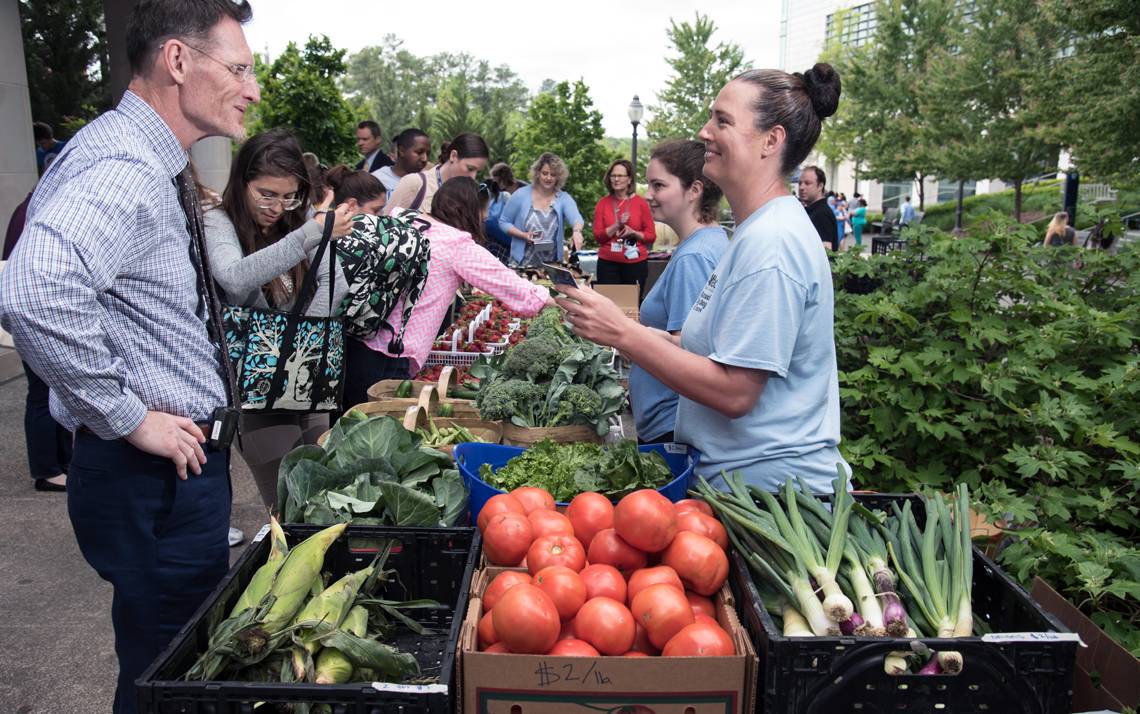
point(384, 259)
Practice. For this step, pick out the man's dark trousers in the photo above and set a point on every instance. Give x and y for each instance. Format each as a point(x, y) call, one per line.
point(159, 540)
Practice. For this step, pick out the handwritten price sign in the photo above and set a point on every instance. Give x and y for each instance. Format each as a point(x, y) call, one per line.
point(547, 674)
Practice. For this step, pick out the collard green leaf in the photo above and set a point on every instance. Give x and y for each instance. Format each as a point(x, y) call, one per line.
point(305, 452)
point(375, 438)
point(304, 481)
point(450, 497)
point(408, 507)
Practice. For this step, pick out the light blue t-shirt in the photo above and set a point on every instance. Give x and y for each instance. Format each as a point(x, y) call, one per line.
point(769, 305)
point(666, 307)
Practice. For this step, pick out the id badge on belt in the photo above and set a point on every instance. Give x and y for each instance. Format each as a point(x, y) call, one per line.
point(631, 252)
point(617, 246)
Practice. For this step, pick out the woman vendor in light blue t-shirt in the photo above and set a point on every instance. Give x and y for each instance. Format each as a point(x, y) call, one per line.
point(755, 362)
point(681, 197)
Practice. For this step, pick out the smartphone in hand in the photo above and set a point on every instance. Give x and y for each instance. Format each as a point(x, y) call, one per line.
point(559, 275)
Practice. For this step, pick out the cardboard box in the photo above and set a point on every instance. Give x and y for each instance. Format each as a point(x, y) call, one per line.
point(539, 684)
point(1107, 675)
point(626, 297)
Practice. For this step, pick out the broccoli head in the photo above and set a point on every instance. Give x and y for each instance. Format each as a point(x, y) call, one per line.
point(535, 358)
point(549, 324)
point(578, 404)
point(505, 398)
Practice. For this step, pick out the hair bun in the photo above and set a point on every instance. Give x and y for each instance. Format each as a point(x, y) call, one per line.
point(822, 85)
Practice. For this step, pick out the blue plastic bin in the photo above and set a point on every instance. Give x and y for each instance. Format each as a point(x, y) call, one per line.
point(470, 457)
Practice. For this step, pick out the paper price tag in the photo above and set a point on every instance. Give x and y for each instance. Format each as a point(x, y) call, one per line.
point(1000, 637)
point(261, 533)
point(672, 448)
point(410, 688)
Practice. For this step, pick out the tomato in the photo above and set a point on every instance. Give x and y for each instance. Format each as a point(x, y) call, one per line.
point(707, 526)
point(699, 640)
point(701, 563)
point(565, 588)
point(646, 520)
point(707, 620)
point(534, 498)
point(555, 550)
point(609, 548)
point(590, 512)
point(487, 636)
point(663, 611)
point(701, 605)
point(606, 624)
point(634, 653)
point(698, 505)
point(506, 538)
point(545, 522)
point(503, 582)
point(651, 576)
point(499, 503)
point(497, 648)
point(526, 620)
point(603, 581)
point(641, 641)
point(573, 647)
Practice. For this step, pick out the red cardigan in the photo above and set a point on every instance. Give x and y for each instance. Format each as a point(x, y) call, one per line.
point(640, 219)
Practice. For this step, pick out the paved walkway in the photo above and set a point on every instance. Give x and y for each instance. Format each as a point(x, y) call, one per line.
point(56, 648)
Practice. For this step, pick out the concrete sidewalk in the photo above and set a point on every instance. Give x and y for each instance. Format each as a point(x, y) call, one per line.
point(57, 652)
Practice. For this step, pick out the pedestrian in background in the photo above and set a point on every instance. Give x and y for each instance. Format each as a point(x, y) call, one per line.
point(465, 155)
point(623, 227)
point(413, 147)
point(369, 143)
point(536, 216)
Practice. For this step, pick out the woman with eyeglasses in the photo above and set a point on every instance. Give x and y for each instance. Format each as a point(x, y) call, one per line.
point(259, 243)
point(465, 155)
point(458, 256)
point(623, 227)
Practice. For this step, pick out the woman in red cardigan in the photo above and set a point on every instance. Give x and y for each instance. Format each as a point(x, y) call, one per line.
point(623, 227)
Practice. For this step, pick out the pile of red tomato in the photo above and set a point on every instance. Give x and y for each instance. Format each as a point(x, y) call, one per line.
point(633, 580)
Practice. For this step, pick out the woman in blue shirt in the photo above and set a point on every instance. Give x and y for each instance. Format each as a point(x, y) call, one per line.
point(681, 197)
point(755, 362)
point(536, 216)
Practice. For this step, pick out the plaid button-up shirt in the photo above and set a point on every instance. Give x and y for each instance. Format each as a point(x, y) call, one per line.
point(100, 294)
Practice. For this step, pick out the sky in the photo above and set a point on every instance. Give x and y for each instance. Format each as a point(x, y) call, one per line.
point(618, 47)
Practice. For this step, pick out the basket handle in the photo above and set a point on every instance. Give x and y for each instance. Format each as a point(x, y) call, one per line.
point(415, 418)
point(429, 399)
point(448, 378)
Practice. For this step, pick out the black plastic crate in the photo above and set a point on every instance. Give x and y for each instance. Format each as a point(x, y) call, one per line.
point(817, 675)
point(434, 563)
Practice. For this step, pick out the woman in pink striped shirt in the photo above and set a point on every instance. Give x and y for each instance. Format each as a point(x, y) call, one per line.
point(457, 257)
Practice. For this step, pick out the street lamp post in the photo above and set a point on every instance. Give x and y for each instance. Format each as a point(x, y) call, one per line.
point(636, 111)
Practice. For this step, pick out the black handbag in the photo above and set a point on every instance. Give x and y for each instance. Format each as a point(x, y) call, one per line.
point(286, 361)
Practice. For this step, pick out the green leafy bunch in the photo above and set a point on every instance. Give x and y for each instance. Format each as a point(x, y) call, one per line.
point(565, 470)
point(371, 471)
point(993, 361)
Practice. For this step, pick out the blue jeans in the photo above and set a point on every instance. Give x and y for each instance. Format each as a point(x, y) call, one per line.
point(159, 540)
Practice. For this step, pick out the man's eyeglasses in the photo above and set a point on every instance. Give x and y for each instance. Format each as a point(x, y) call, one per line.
point(243, 72)
point(267, 202)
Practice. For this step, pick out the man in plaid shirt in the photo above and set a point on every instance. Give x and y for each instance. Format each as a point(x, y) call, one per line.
point(102, 299)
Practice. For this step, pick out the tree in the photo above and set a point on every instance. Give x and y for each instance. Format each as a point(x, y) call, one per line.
point(65, 51)
point(565, 122)
point(883, 82)
point(444, 94)
point(299, 93)
point(1094, 92)
point(699, 71)
point(979, 96)
point(838, 141)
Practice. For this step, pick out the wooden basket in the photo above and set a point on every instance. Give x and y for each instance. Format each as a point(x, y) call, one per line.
point(526, 436)
point(386, 388)
point(491, 432)
point(395, 408)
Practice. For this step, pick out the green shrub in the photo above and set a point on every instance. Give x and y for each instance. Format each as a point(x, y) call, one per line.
point(1014, 368)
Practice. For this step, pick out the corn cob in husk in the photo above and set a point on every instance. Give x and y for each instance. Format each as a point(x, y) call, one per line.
point(262, 580)
point(294, 580)
point(326, 611)
point(332, 666)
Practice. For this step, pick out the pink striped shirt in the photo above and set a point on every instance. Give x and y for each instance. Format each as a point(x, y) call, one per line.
point(456, 259)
